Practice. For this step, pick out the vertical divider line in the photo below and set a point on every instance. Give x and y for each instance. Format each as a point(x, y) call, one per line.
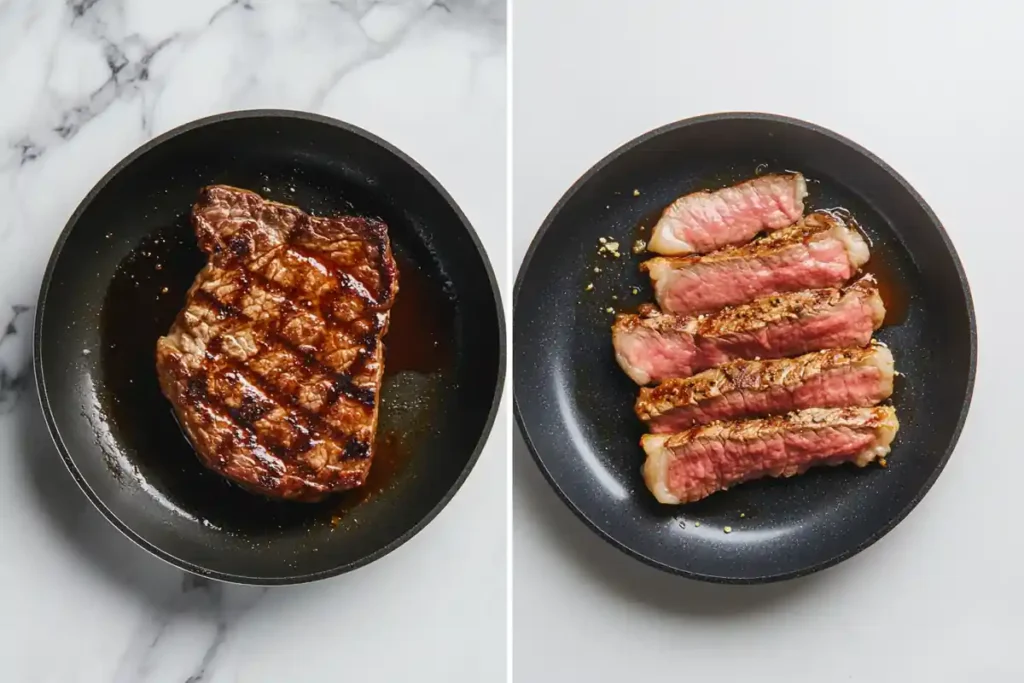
point(509, 288)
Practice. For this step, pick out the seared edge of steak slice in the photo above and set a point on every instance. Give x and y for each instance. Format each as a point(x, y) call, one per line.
point(704, 221)
point(691, 465)
point(819, 251)
point(830, 378)
point(652, 346)
point(274, 364)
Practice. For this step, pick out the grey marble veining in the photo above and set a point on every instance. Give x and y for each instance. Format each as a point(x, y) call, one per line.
point(13, 365)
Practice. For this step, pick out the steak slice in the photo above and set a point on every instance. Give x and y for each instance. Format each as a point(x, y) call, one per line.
point(691, 465)
point(832, 378)
point(653, 346)
point(704, 221)
point(274, 365)
point(819, 251)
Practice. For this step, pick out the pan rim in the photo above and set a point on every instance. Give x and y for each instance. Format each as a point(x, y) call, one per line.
point(43, 394)
point(961, 277)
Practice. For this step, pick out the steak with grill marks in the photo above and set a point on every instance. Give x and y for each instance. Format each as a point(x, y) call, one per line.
point(832, 378)
point(704, 221)
point(652, 346)
point(691, 465)
point(274, 365)
point(819, 251)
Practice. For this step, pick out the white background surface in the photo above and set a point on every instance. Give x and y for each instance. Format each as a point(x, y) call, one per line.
point(936, 89)
point(79, 603)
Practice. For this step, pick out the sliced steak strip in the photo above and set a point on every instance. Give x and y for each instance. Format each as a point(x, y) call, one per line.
point(691, 465)
point(274, 365)
point(653, 346)
point(819, 251)
point(704, 221)
point(831, 378)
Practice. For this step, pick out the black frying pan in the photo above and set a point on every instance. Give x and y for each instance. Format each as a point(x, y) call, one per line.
point(118, 276)
point(574, 405)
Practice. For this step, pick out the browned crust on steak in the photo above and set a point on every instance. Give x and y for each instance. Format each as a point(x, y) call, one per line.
point(745, 375)
point(757, 314)
point(703, 451)
point(274, 364)
point(804, 231)
point(813, 418)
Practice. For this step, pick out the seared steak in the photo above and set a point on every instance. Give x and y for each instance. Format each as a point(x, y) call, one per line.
point(691, 465)
point(654, 346)
point(819, 251)
point(832, 378)
point(274, 365)
point(704, 221)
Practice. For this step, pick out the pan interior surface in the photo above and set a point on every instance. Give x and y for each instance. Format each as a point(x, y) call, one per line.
point(119, 277)
point(575, 406)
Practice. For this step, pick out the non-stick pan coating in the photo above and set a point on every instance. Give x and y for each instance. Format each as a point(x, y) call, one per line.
point(574, 405)
point(119, 275)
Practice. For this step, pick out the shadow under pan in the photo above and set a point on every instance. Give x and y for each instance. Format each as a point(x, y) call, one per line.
point(575, 406)
point(119, 275)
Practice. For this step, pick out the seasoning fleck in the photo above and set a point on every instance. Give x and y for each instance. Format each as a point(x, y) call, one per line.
point(639, 246)
point(610, 309)
point(589, 287)
point(727, 529)
point(696, 523)
point(609, 247)
point(742, 515)
point(602, 240)
point(164, 290)
point(86, 352)
point(636, 193)
point(596, 269)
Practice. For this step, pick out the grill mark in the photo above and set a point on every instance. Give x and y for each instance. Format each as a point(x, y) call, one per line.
point(356, 450)
point(311, 429)
point(345, 279)
point(342, 382)
point(315, 425)
point(343, 386)
point(272, 454)
point(289, 296)
point(372, 233)
point(200, 399)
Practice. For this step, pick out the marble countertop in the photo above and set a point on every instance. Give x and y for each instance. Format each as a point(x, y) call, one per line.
point(86, 81)
point(936, 93)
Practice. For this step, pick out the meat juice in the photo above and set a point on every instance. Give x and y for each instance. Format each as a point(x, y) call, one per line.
point(894, 294)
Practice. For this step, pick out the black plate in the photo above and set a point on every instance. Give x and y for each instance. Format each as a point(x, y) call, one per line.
point(118, 276)
point(574, 405)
